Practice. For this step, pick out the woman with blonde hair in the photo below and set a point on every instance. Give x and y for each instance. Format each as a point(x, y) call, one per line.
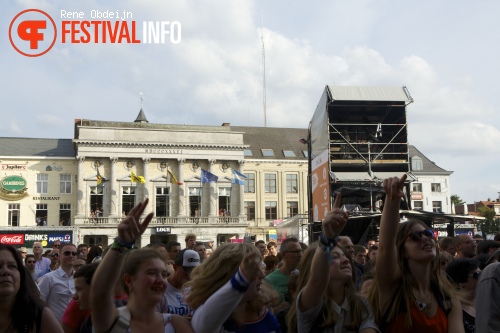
point(226, 292)
point(327, 300)
point(410, 290)
point(144, 277)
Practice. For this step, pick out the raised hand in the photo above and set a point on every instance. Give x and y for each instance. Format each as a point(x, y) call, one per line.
point(335, 220)
point(393, 187)
point(130, 228)
point(250, 266)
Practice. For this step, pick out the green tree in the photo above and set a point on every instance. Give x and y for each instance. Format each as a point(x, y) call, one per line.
point(491, 225)
point(456, 200)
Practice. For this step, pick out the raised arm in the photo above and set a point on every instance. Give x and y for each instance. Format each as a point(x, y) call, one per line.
point(332, 224)
point(106, 276)
point(211, 316)
point(386, 266)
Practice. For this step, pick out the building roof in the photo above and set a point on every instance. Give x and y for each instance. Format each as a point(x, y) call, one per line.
point(36, 147)
point(392, 94)
point(428, 165)
point(277, 139)
point(258, 138)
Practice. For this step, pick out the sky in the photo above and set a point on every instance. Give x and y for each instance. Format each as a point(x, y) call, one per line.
point(444, 52)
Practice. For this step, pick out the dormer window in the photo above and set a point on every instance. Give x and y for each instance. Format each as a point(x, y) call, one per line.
point(416, 163)
point(267, 152)
point(288, 153)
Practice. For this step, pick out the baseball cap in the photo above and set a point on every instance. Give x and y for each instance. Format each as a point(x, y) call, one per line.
point(187, 259)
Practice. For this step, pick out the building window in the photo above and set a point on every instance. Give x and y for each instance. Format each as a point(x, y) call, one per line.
point(65, 184)
point(291, 183)
point(96, 199)
point(42, 183)
point(416, 187)
point(288, 153)
point(418, 205)
point(162, 202)
point(436, 187)
point(250, 210)
point(270, 182)
point(250, 183)
point(436, 207)
point(64, 214)
point(292, 208)
point(416, 163)
point(267, 152)
point(224, 201)
point(195, 201)
point(247, 152)
point(96, 240)
point(41, 214)
point(128, 198)
point(14, 215)
point(306, 153)
point(271, 210)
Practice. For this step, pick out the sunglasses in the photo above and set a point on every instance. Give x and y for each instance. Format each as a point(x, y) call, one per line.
point(69, 253)
point(416, 236)
point(56, 245)
point(475, 275)
point(55, 255)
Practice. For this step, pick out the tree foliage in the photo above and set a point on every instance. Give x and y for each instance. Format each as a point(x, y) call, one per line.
point(456, 200)
point(491, 225)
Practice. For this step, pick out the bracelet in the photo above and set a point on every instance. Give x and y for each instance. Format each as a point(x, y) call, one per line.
point(327, 244)
point(121, 246)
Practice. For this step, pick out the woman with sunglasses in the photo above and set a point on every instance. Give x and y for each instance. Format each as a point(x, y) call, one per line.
point(410, 291)
point(465, 272)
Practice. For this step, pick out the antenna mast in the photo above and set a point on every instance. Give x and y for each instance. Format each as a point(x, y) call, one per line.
point(264, 74)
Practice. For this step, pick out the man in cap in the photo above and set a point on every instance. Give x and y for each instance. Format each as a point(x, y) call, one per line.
point(173, 299)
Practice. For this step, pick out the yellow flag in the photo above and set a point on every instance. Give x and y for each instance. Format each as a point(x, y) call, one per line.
point(173, 178)
point(136, 179)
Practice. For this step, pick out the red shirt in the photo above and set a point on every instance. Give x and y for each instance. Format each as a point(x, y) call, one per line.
point(73, 316)
point(420, 322)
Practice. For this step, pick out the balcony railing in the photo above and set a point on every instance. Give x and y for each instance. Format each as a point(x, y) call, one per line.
point(219, 220)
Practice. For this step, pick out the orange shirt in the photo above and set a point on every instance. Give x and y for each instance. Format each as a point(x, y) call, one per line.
point(419, 322)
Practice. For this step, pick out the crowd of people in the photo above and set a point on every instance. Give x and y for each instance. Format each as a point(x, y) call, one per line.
point(406, 282)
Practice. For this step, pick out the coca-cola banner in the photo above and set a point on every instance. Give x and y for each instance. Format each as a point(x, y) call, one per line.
point(12, 239)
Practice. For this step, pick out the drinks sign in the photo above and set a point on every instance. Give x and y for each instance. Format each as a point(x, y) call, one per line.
point(13, 183)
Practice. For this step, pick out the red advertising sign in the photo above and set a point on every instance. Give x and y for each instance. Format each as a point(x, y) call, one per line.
point(12, 239)
point(320, 183)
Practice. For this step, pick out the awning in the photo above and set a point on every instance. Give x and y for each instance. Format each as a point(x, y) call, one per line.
point(386, 175)
point(351, 176)
point(389, 94)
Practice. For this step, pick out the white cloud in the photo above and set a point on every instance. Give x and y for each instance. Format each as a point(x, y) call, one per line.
point(214, 75)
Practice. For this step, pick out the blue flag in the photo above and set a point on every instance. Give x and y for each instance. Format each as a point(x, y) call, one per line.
point(208, 177)
point(237, 178)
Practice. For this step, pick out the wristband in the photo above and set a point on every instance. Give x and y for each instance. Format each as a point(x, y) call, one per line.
point(327, 244)
point(239, 282)
point(121, 246)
